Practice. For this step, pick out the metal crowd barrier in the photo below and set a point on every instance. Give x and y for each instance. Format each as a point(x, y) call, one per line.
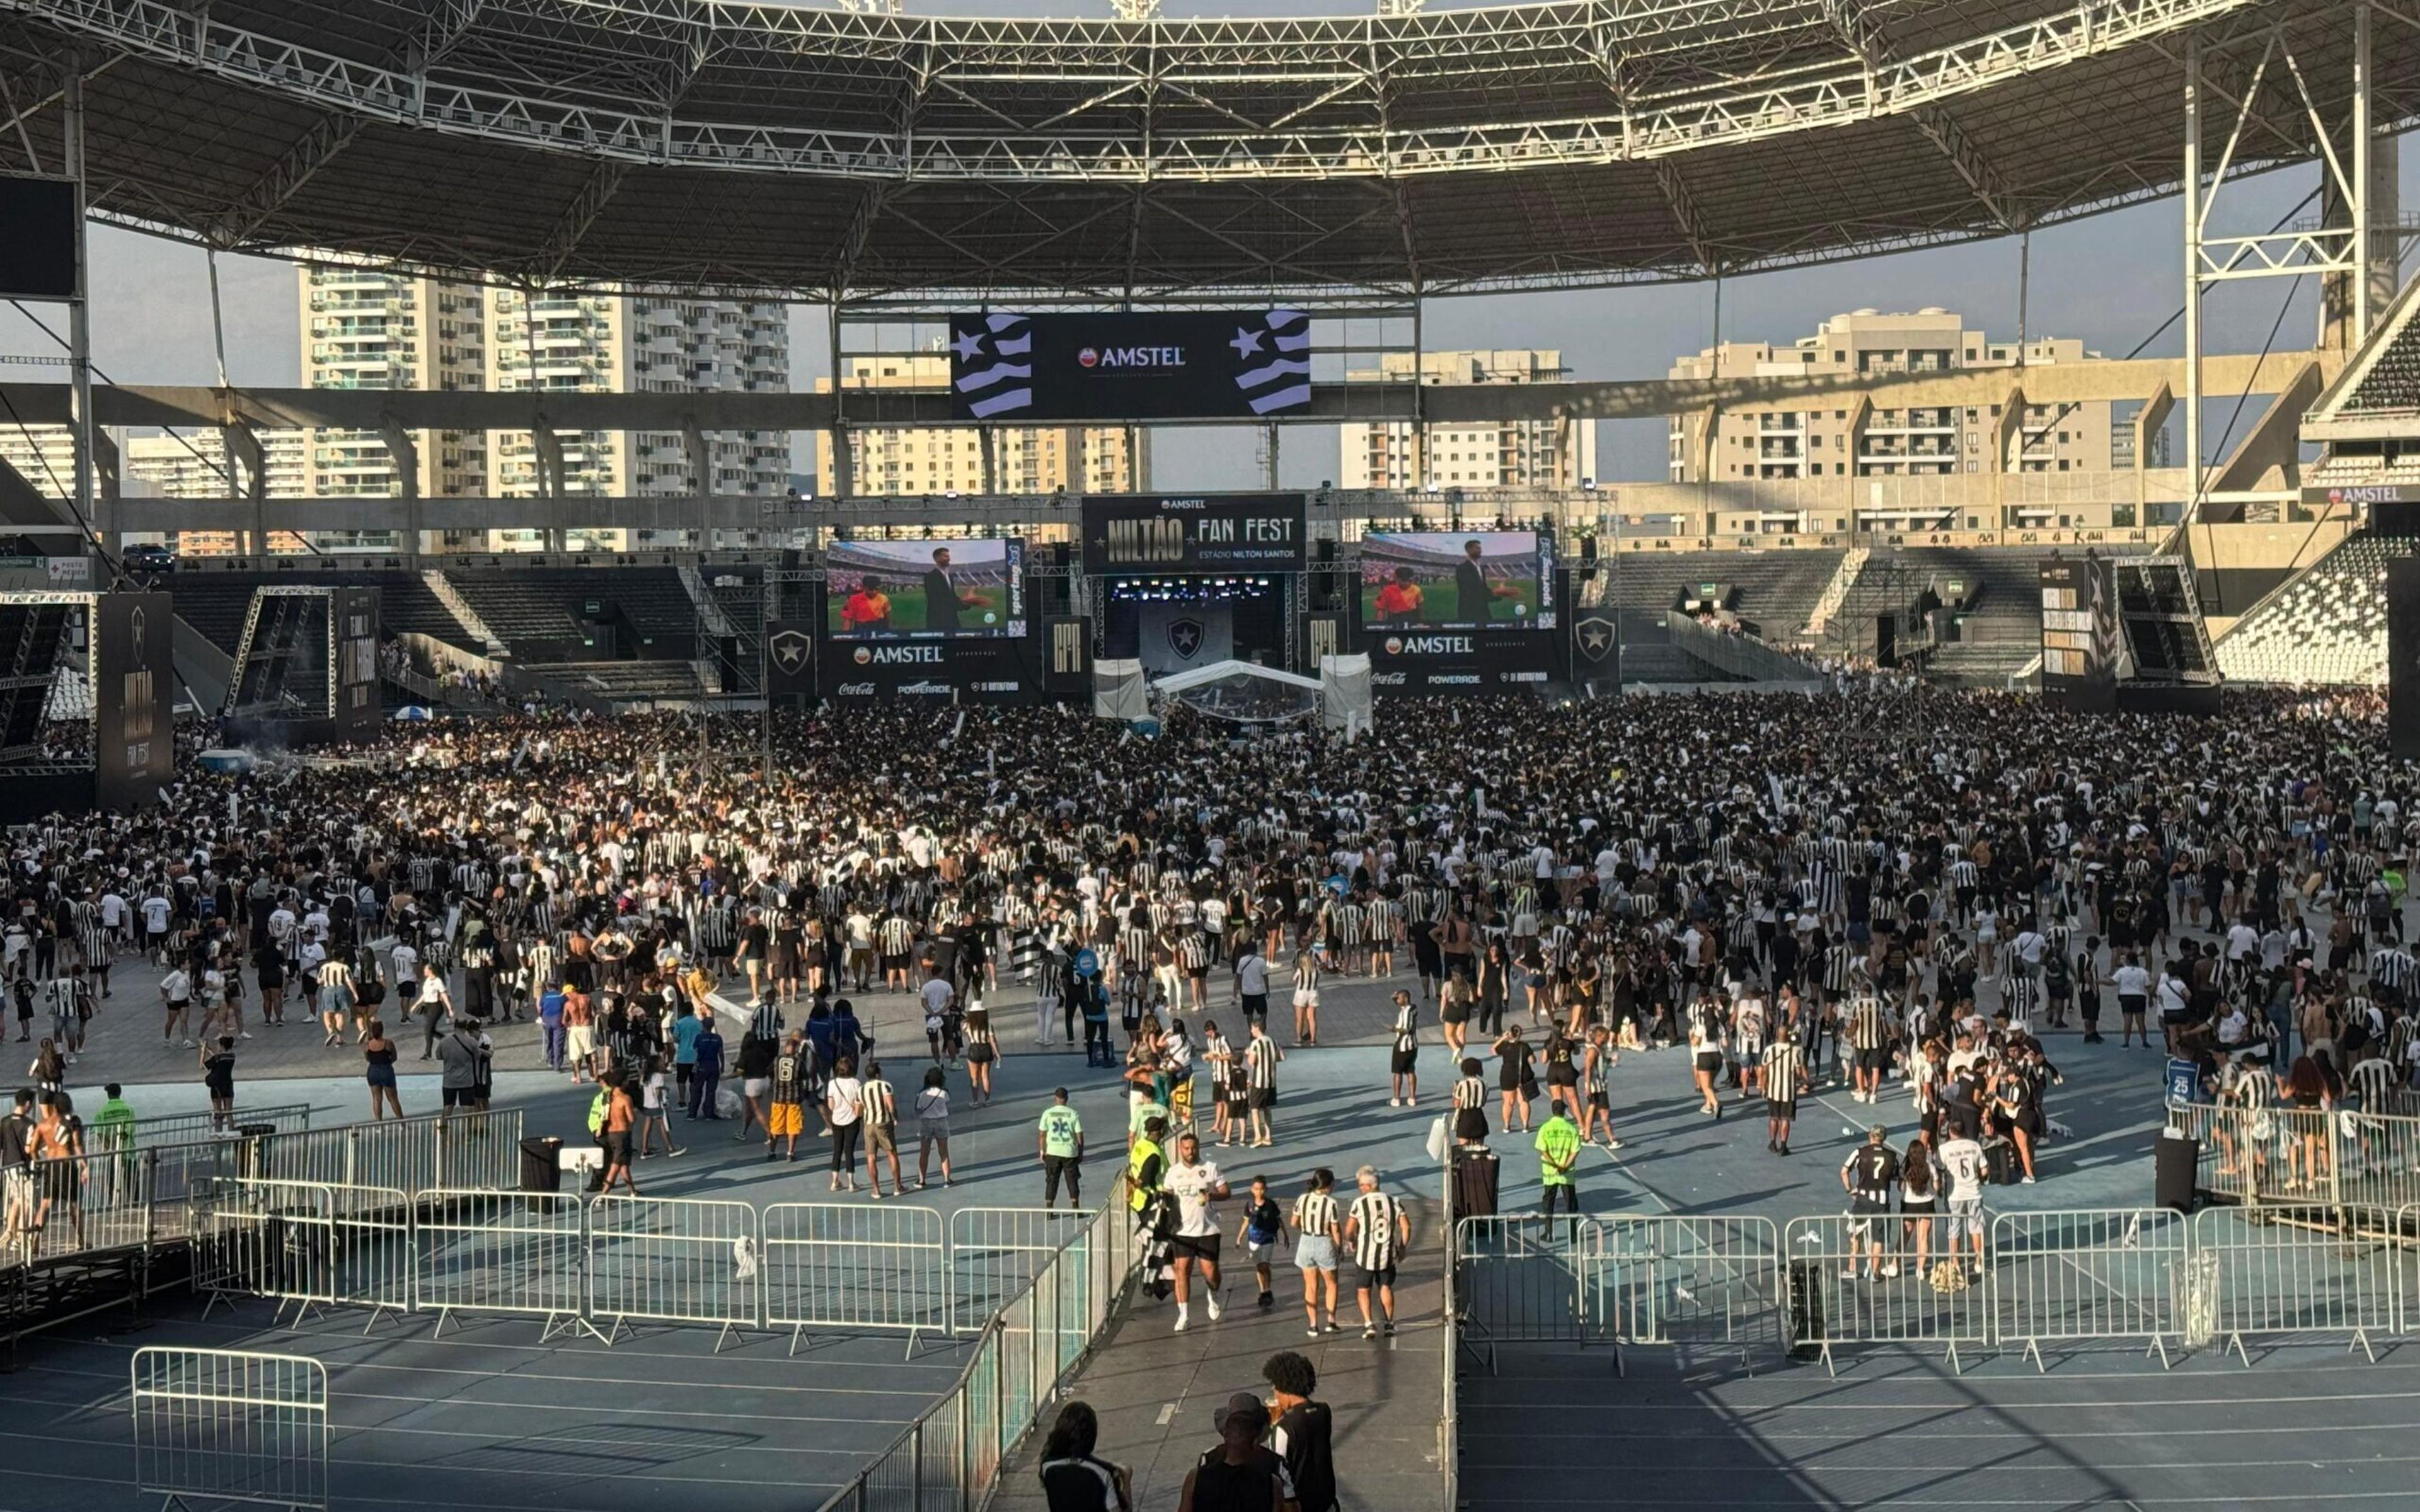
point(995, 1253)
point(1670, 1280)
point(949, 1460)
point(501, 1252)
point(2341, 1157)
point(2229, 1277)
point(1528, 1279)
point(467, 1151)
point(215, 1426)
point(2099, 1275)
point(674, 1260)
point(187, 1128)
point(831, 1265)
point(2313, 1270)
point(1859, 1279)
point(305, 1244)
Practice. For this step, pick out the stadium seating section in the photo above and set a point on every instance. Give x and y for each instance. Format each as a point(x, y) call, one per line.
point(2392, 385)
point(2327, 626)
point(213, 603)
point(621, 681)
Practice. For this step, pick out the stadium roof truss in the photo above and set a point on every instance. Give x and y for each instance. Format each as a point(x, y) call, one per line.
point(738, 148)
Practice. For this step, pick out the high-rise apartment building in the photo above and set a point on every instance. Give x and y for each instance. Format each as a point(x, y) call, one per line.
point(190, 464)
point(616, 344)
point(43, 456)
point(941, 459)
point(1855, 434)
point(1507, 454)
point(366, 330)
point(193, 465)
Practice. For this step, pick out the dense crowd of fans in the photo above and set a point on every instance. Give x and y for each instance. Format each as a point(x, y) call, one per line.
point(1885, 878)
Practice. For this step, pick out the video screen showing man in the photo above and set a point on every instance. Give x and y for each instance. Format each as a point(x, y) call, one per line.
point(866, 611)
point(1475, 597)
point(1441, 579)
point(944, 598)
point(921, 586)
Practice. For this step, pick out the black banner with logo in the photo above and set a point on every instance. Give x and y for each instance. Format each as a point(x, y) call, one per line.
point(790, 659)
point(2403, 658)
point(1238, 365)
point(1003, 669)
point(1461, 662)
point(133, 699)
point(1126, 536)
point(1067, 654)
point(354, 623)
point(1596, 646)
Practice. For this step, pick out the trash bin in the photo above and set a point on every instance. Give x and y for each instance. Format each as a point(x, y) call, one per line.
point(248, 1162)
point(2175, 1159)
point(541, 1164)
point(1806, 1322)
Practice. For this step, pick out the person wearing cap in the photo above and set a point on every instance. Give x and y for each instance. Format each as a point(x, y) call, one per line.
point(1240, 1474)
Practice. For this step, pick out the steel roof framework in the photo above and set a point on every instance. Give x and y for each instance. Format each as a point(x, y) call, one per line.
point(740, 148)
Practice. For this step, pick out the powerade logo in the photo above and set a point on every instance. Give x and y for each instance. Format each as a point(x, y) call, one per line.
point(1429, 645)
point(1128, 357)
point(898, 655)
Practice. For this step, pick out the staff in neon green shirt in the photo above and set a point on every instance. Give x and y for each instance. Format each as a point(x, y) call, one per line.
point(113, 1127)
point(1559, 1150)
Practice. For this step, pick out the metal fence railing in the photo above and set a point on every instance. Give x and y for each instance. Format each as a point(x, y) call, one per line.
point(1526, 1279)
point(832, 1266)
point(2339, 1157)
point(995, 1252)
point(949, 1458)
point(2092, 1274)
point(519, 1253)
point(1855, 1279)
point(2231, 1277)
point(1706, 1283)
point(224, 1426)
point(675, 1260)
point(187, 1128)
point(2288, 1272)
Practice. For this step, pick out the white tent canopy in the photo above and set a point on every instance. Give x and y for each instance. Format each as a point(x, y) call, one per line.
point(1220, 671)
point(1119, 692)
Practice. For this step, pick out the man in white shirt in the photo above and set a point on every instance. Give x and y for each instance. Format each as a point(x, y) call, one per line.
point(156, 910)
point(1197, 1186)
point(1962, 1165)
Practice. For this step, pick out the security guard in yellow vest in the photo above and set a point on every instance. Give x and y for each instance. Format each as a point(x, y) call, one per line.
point(1146, 1165)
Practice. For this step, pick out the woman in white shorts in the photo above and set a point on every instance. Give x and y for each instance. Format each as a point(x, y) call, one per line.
point(1315, 1219)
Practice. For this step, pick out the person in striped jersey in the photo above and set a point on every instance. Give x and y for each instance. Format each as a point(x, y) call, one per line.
point(1785, 1079)
point(2247, 1092)
point(1317, 1228)
point(1869, 1034)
